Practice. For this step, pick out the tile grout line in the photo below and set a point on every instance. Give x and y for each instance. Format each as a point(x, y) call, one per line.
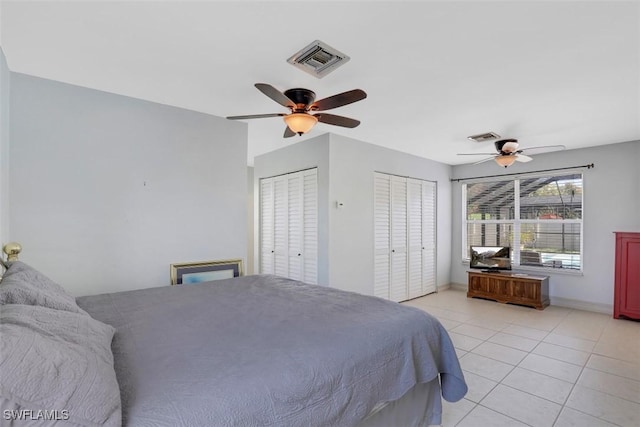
point(565, 323)
point(510, 323)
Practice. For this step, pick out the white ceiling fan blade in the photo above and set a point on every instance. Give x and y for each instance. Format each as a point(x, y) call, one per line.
point(475, 154)
point(483, 160)
point(544, 149)
point(510, 147)
point(522, 158)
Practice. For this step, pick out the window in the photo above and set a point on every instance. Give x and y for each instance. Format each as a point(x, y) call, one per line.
point(539, 217)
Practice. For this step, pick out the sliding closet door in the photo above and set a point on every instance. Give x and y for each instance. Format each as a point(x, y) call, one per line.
point(289, 226)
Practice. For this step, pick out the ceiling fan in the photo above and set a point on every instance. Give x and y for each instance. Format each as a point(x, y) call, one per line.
point(301, 102)
point(507, 152)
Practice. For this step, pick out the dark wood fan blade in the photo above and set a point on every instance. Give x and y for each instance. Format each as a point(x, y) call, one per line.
point(288, 133)
point(275, 94)
point(256, 116)
point(338, 100)
point(332, 119)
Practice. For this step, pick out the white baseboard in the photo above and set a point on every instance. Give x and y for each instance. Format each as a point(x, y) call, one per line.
point(557, 301)
point(453, 287)
point(582, 305)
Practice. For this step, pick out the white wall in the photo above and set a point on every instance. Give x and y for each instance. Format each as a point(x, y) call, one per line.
point(1, 26)
point(107, 190)
point(4, 149)
point(250, 228)
point(351, 249)
point(307, 154)
point(611, 203)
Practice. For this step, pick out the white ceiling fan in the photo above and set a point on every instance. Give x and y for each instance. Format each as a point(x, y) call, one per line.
point(508, 152)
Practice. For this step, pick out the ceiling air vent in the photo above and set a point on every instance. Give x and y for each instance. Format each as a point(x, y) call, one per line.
point(318, 59)
point(484, 137)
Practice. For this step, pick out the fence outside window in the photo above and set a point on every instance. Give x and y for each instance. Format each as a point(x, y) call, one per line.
point(539, 217)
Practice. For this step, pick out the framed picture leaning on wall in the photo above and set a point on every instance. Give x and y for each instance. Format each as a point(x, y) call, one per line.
point(188, 273)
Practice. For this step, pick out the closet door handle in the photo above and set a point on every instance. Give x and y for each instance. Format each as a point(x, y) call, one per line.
point(393, 250)
point(299, 254)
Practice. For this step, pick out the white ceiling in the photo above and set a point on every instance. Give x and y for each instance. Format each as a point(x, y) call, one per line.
point(435, 72)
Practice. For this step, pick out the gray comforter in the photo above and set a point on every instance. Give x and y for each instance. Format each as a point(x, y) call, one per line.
point(268, 351)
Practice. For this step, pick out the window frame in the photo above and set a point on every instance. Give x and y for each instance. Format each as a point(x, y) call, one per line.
point(516, 222)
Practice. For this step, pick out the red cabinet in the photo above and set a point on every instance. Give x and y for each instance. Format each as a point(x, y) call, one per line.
point(627, 285)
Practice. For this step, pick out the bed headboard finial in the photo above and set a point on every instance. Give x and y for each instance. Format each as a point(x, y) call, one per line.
point(12, 249)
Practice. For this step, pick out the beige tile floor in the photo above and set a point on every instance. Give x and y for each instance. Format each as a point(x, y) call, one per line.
point(524, 367)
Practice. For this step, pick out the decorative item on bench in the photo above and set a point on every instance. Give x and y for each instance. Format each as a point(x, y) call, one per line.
point(187, 273)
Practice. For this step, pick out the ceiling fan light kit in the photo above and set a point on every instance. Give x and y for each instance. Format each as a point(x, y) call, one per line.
point(300, 123)
point(506, 160)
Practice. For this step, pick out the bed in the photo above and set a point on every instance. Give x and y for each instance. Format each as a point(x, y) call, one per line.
point(247, 351)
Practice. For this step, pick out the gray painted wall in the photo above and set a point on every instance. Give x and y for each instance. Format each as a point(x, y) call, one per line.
point(351, 247)
point(4, 149)
point(107, 190)
point(310, 153)
point(611, 203)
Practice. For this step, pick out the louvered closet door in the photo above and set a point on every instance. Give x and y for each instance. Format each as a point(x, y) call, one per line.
point(398, 285)
point(266, 226)
point(414, 236)
point(294, 225)
point(289, 226)
point(404, 237)
point(310, 226)
point(428, 237)
point(382, 235)
point(280, 227)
